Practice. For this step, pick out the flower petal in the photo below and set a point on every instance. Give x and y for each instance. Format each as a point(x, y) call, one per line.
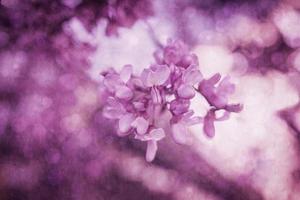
point(125, 73)
point(158, 75)
point(156, 97)
point(151, 150)
point(192, 75)
point(125, 122)
point(124, 92)
point(141, 125)
point(188, 60)
point(179, 106)
point(225, 87)
point(174, 51)
point(111, 82)
point(139, 106)
point(208, 126)
point(112, 113)
point(208, 90)
point(214, 79)
point(234, 108)
point(144, 77)
point(157, 134)
point(186, 91)
point(193, 120)
point(112, 102)
point(180, 133)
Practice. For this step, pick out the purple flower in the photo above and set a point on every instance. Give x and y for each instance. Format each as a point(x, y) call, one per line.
point(179, 106)
point(208, 126)
point(216, 92)
point(156, 75)
point(139, 103)
point(141, 125)
point(125, 123)
point(216, 96)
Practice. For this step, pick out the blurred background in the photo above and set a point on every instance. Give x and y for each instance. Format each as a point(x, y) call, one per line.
point(55, 144)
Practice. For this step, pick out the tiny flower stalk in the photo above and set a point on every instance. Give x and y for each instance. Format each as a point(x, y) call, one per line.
point(138, 103)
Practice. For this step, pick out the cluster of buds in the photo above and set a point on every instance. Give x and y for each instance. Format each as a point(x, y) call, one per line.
point(139, 103)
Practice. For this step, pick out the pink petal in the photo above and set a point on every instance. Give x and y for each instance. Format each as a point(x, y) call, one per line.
point(180, 106)
point(189, 120)
point(111, 81)
point(114, 109)
point(192, 75)
point(151, 150)
point(112, 102)
point(180, 133)
point(138, 82)
point(139, 106)
point(124, 92)
point(112, 113)
point(172, 55)
point(214, 79)
point(219, 101)
point(141, 125)
point(188, 60)
point(125, 73)
point(188, 114)
point(174, 51)
point(225, 87)
point(125, 123)
point(208, 126)
point(234, 108)
point(208, 90)
point(158, 75)
point(156, 97)
point(144, 76)
point(186, 91)
point(157, 134)
point(193, 120)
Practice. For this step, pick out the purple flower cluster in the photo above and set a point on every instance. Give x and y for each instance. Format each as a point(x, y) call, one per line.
point(163, 93)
